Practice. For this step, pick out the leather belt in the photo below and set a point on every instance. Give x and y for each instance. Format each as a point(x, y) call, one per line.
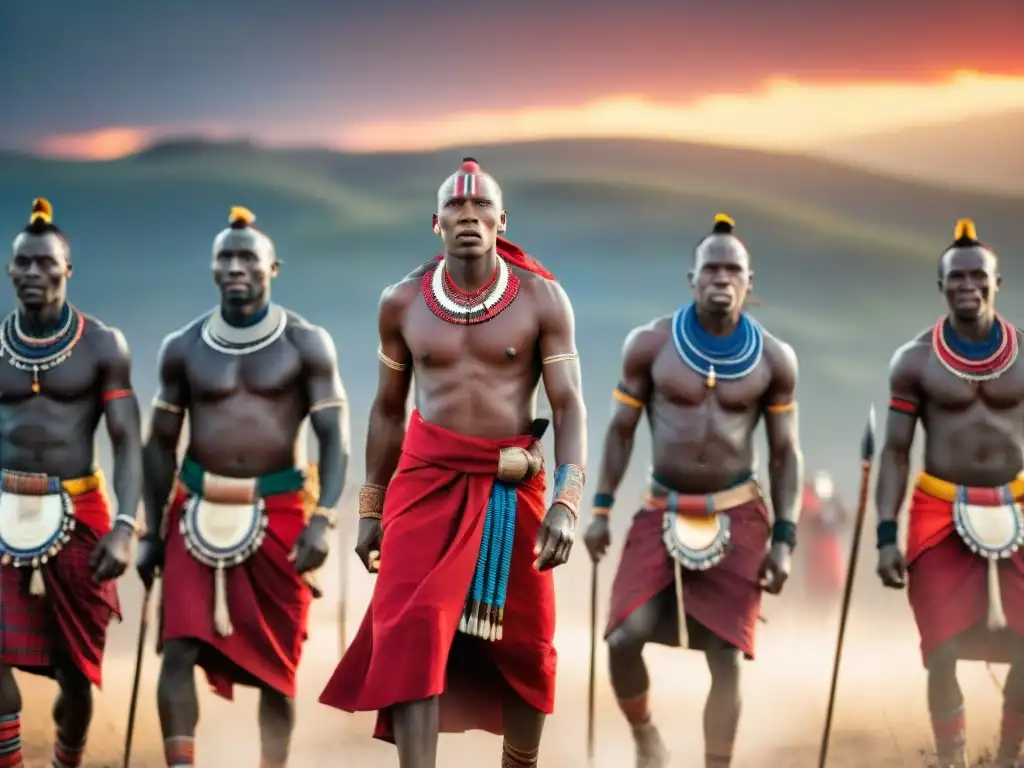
point(664, 499)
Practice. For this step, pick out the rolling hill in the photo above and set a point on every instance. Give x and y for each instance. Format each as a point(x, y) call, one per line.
point(844, 259)
point(980, 153)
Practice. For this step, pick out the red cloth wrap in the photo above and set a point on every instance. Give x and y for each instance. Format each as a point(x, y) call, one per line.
point(72, 618)
point(268, 600)
point(433, 526)
point(725, 599)
point(948, 585)
point(517, 257)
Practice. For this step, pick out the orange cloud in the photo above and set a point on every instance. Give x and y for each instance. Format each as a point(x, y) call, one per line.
point(103, 144)
point(784, 114)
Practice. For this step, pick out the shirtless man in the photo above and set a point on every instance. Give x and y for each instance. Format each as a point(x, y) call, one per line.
point(62, 370)
point(467, 547)
point(706, 376)
point(963, 381)
point(238, 535)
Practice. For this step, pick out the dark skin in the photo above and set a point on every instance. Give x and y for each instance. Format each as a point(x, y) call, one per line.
point(245, 418)
point(702, 440)
point(53, 432)
point(467, 382)
point(974, 436)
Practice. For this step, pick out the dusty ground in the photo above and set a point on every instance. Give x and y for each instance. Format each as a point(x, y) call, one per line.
point(880, 716)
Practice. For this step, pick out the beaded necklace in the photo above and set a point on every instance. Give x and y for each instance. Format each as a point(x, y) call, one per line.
point(37, 354)
point(458, 307)
point(717, 357)
point(217, 333)
point(976, 360)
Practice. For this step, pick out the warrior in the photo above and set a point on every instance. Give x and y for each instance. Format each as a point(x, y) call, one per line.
point(246, 522)
point(61, 547)
point(965, 574)
point(695, 562)
point(459, 632)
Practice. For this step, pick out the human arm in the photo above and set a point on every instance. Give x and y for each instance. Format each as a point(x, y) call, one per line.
point(631, 396)
point(560, 368)
point(905, 399)
point(388, 415)
point(121, 414)
point(785, 462)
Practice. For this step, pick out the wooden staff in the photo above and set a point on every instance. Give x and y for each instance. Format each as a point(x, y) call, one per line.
point(867, 457)
point(592, 694)
point(140, 651)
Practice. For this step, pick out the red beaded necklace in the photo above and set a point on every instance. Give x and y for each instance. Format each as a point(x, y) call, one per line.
point(955, 354)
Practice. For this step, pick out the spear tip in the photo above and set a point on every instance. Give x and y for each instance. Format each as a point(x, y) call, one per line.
point(867, 445)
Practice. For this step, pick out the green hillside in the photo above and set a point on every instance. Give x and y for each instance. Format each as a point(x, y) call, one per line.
point(845, 260)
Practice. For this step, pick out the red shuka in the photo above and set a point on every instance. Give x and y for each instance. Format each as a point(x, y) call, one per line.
point(72, 618)
point(268, 599)
point(948, 586)
point(433, 527)
point(725, 599)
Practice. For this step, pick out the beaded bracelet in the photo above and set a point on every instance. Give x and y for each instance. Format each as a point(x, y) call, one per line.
point(129, 520)
point(603, 503)
point(887, 533)
point(569, 481)
point(371, 501)
point(784, 532)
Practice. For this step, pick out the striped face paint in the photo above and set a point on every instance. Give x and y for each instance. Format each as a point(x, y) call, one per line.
point(469, 182)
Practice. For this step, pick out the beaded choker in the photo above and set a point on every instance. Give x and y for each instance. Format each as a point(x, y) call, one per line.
point(35, 355)
point(976, 360)
point(229, 339)
point(453, 305)
point(717, 357)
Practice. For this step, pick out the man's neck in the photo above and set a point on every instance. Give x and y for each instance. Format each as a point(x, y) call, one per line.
point(41, 321)
point(472, 274)
point(718, 325)
point(245, 315)
point(976, 329)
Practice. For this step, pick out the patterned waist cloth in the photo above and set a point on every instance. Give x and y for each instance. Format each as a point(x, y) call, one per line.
point(38, 484)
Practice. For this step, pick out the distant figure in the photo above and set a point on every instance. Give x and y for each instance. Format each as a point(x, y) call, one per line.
point(963, 381)
point(706, 376)
point(459, 633)
point(822, 521)
point(240, 527)
point(61, 372)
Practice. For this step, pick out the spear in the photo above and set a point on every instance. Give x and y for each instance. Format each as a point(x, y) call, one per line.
point(867, 457)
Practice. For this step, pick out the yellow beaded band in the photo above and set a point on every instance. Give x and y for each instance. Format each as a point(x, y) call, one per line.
point(601, 511)
point(559, 358)
point(781, 407)
point(165, 406)
point(330, 402)
point(394, 365)
point(569, 482)
point(371, 501)
point(626, 399)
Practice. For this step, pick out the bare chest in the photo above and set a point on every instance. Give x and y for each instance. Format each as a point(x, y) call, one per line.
point(945, 390)
point(508, 341)
point(269, 372)
point(678, 384)
point(77, 377)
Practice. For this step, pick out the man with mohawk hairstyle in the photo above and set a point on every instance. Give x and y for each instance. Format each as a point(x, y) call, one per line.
point(240, 526)
point(694, 563)
point(61, 371)
point(964, 570)
point(459, 633)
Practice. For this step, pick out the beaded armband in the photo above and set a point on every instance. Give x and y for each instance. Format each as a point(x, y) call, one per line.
point(887, 533)
point(620, 394)
point(603, 503)
point(779, 408)
point(899, 405)
point(116, 394)
point(371, 501)
point(394, 365)
point(569, 481)
point(784, 532)
point(165, 406)
point(323, 405)
point(565, 356)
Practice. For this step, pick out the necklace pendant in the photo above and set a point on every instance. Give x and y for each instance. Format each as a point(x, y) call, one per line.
point(711, 380)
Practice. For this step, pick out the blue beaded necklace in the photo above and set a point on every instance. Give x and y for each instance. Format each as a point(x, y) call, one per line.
point(717, 357)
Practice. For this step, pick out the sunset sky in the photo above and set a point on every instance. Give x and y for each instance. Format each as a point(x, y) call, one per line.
point(104, 77)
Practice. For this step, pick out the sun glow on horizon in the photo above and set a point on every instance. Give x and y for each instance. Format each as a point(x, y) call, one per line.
point(784, 114)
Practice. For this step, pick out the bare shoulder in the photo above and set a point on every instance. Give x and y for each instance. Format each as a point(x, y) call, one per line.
point(780, 357)
point(313, 342)
point(548, 296)
point(175, 346)
point(421, 270)
point(908, 362)
point(108, 343)
point(397, 298)
point(647, 340)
